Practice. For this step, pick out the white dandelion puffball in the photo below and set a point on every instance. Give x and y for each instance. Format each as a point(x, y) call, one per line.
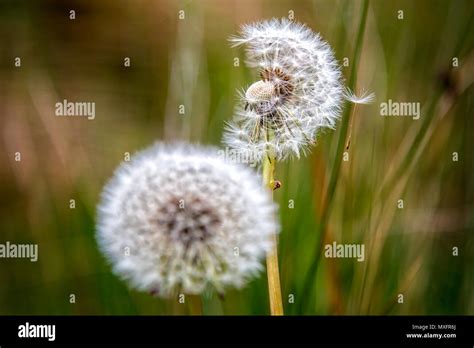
point(300, 90)
point(180, 218)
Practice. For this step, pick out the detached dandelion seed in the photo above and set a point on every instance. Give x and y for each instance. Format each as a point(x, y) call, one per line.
point(363, 98)
point(181, 211)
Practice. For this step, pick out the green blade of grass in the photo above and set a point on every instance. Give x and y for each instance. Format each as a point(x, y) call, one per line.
point(312, 273)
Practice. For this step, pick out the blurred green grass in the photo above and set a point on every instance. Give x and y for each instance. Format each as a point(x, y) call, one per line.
point(190, 62)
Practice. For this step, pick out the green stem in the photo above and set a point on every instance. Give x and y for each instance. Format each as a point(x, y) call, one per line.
point(273, 274)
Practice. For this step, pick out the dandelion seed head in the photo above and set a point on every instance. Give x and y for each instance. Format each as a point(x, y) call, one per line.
point(302, 83)
point(182, 219)
point(300, 91)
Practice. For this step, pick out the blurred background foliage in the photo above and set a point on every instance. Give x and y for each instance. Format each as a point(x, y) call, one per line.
point(189, 62)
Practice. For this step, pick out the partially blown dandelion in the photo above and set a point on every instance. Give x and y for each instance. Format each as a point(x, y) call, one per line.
point(181, 219)
point(300, 91)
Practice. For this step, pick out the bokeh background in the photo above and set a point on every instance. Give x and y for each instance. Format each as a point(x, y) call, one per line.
point(189, 62)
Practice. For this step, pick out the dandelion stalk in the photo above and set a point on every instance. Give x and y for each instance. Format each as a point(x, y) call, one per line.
point(273, 274)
